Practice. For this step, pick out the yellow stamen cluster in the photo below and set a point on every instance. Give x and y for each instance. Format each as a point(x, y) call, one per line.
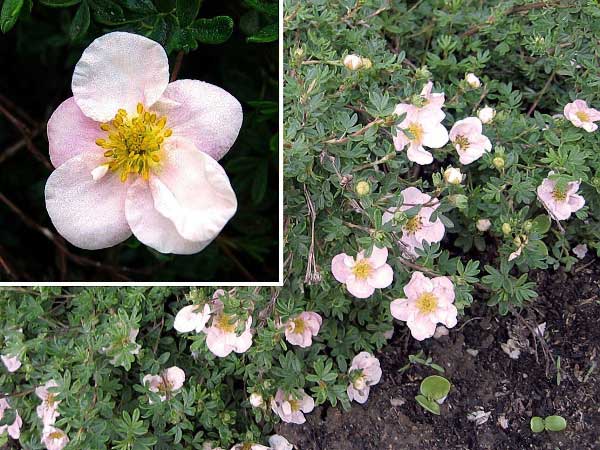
point(462, 142)
point(413, 224)
point(416, 130)
point(294, 404)
point(362, 269)
point(133, 144)
point(56, 435)
point(51, 399)
point(583, 116)
point(427, 303)
point(299, 325)
point(226, 323)
point(559, 195)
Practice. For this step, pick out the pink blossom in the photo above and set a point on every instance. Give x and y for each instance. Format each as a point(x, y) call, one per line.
point(428, 302)
point(467, 137)
point(14, 429)
point(364, 372)
point(48, 410)
point(483, 224)
point(432, 100)
point(362, 275)
point(581, 115)
point(12, 363)
point(192, 317)
point(53, 438)
point(300, 329)
point(222, 337)
point(418, 228)
point(136, 154)
point(291, 408)
point(170, 381)
point(424, 129)
point(560, 203)
point(580, 250)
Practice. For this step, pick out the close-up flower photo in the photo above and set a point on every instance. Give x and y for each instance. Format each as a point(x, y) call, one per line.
point(440, 225)
point(139, 147)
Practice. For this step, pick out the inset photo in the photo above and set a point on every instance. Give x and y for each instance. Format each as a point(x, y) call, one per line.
point(139, 142)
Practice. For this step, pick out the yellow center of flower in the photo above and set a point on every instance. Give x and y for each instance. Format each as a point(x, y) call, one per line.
point(462, 142)
point(427, 303)
point(413, 224)
point(362, 269)
point(247, 446)
point(134, 143)
point(583, 116)
point(416, 130)
point(559, 195)
point(51, 399)
point(56, 435)
point(294, 404)
point(299, 326)
point(226, 323)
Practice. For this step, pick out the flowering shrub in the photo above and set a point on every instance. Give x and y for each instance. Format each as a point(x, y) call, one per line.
point(169, 104)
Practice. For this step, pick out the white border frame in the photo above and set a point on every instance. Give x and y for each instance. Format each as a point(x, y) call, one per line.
point(279, 283)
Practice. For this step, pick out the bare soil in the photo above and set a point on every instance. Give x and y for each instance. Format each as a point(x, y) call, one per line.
point(485, 378)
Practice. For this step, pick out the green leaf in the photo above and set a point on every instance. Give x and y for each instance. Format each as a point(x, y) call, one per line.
point(8, 417)
point(555, 423)
point(59, 3)
point(187, 10)
point(10, 14)
point(213, 31)
point(536, 424)
point(269, 33)
point(541, 224)
point(107, 12)
point(80, 23)
point(435, 387)
point(140, 6)
point(429, 405)
point(263, 6)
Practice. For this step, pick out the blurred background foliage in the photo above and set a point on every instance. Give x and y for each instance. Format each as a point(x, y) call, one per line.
point(231, 44)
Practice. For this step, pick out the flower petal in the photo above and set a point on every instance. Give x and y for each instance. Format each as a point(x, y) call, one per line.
point(152, 228)
point(70, 132)
point(119, 70)
point(207, 115)
point(88, 213)
point(381, 277)
point(339, 269)
point(193, 191)
point(359, 288)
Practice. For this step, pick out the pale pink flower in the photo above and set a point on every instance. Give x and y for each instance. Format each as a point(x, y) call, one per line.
point(560, 203)
point(418, 228)
point(12, 363)
point(291, 408)
point(580, 250)
point(222, 337)
point(48, 410)
point(425, 129)
point(582, 116)
point(300, 329)
point(467, 137)
point(53, 438)
point(168, 382)
point(362, 275)
point(14, 429)
point(432, 100)
point(137, 154)
point(192, 317)
point(278, 442)
point(364, 372)
point(428, 302)
point(483, 225)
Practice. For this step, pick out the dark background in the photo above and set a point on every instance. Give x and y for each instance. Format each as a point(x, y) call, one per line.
point(36, 65)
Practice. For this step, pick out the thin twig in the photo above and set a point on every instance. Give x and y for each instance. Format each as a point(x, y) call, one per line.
point(177, 67)
point(542, 92)
point(363, 130)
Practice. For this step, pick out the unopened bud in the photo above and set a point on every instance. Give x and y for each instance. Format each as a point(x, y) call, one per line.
point(487, 114)
point(353, 62)
point(528, 225)
point(483, 224)
point(453, 175)
point(506, 228)
point(498, 162)
point(473, 81)
point(363, 188)
point(256, 400)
